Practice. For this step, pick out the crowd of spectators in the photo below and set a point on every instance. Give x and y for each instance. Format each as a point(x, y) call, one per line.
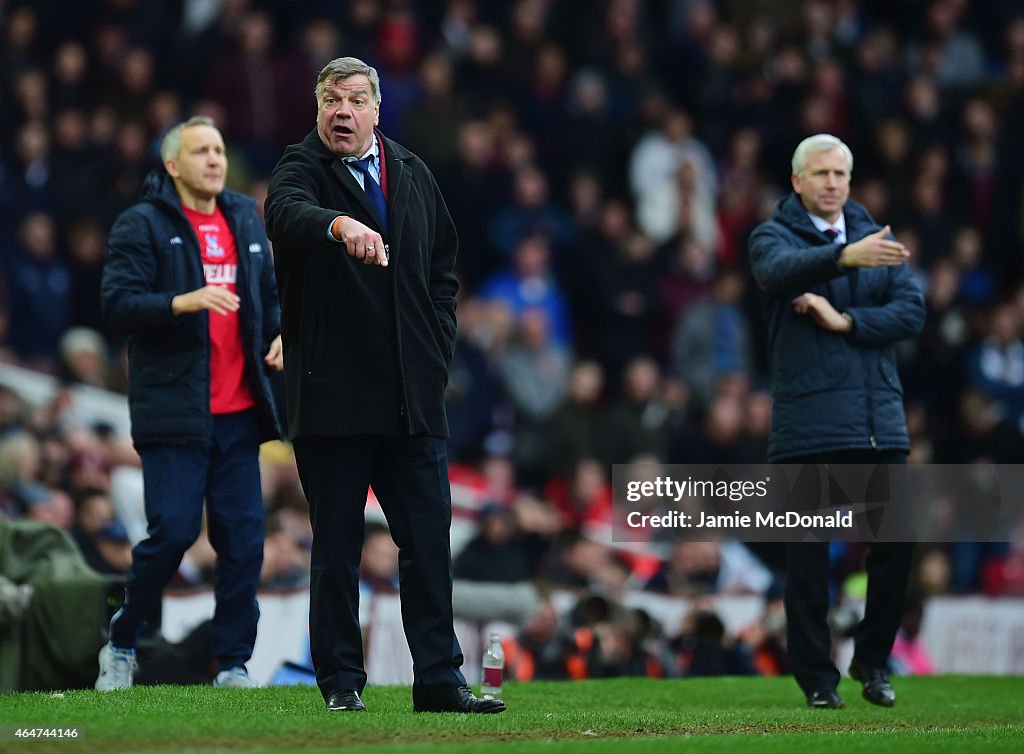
point(604, 163)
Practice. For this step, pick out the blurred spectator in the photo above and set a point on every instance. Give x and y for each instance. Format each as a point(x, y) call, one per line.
point(431, 123)
point(529, 214)
point(113, 549)
point(83, 358)
point(976, 283)
point(610, 639)
point(263, 88)
point(473, 386)
point(712, 339)
point(535, 375)
point(39, 291)
point(544, 649)
point(584, 498)
point(946, 49)
point(475, 186)
point(580, 562)
point(932, 573)
point(996, 365)
point(636, 424)
point(571, 434)
point(705, 568)
point(285, 563)
point(49, 506)
point(505, 551)
point(378, 568)
point(703, 649)
point(666, 167)
point(623, 300)
point(87, 246)
point(530, 284)
point(93, 511)
point(20, 461)
point(766, 638)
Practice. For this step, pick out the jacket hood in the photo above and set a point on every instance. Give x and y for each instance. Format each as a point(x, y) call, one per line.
point(158, 189)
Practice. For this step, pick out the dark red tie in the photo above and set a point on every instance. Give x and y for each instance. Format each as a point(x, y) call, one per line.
point(832, 233)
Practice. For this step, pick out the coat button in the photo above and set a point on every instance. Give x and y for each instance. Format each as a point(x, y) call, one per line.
point(401, 410)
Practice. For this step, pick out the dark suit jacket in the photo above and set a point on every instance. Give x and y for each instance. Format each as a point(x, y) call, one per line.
point(366, 348)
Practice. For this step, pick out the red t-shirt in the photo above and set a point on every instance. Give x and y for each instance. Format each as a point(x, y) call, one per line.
point(229, 391)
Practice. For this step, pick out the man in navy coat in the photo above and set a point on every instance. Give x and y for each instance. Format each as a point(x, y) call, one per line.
point(837, 295)
point(189, 278)
point(365, 254)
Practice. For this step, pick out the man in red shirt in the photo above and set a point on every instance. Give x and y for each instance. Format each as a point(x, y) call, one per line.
point(189, 277)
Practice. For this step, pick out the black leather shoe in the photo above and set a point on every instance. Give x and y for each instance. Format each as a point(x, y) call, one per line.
point(875, 681)
point(345, 701)
point(438, 698)
point(824, 699)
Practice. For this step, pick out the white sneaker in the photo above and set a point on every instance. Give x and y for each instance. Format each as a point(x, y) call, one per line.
point(234, 678)
point(116, 668)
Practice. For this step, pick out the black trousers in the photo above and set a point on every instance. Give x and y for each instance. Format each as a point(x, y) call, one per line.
point(409, 476)
point(807, 593)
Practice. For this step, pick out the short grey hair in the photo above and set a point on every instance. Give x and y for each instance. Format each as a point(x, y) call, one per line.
point(819, 143)
point(171, 145)
point(340, 69)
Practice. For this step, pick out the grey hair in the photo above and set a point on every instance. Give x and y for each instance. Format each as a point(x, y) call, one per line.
point(819, 143)
point(171, 145)
point(340, 69)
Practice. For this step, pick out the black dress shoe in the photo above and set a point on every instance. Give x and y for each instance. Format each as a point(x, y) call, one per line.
point(345, 701)
point(875, 681)
point(439, 698)
point(824, 699)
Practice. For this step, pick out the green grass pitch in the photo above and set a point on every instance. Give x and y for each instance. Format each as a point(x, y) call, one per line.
point(626, 716)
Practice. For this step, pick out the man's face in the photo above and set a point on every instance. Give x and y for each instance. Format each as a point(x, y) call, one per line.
point(824, 183)
point(346, 115)
point(201, 166)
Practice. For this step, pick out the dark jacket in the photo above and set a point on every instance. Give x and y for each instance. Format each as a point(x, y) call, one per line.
point(367, 348)
point(152, 256)
point(832, 391)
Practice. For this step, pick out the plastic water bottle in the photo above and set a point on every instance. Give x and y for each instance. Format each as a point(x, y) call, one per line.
point(493, 669)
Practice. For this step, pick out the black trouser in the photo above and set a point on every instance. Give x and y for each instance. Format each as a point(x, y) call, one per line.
point(409, 476)
point(807, 592)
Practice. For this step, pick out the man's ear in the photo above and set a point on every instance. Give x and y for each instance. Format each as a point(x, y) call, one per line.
point(795, 180)
point(171, 167)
